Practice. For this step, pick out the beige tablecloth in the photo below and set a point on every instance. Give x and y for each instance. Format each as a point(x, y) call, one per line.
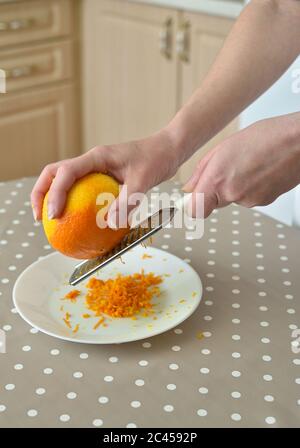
point(242, 373)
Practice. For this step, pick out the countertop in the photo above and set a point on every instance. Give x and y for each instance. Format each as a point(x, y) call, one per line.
point(233, 363)
point(226, 8)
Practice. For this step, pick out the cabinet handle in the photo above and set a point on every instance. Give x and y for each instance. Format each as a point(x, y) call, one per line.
point(183, 42)
point(165, 38)
point(20, 72)
point(16, 24)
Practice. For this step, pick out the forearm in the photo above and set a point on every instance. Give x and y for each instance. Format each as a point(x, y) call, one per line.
point(262, 44)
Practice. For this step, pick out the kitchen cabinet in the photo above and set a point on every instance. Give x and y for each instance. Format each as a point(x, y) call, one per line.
point(129, 70)
point(39, 113)
point(36, 128)
point(140, 64)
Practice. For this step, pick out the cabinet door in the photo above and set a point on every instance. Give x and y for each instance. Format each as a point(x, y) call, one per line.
point(37, 128)
point(129, 82)
point(205, 37)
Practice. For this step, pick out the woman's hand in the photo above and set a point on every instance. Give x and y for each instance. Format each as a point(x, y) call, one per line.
point(139, 165)
point(253, 167)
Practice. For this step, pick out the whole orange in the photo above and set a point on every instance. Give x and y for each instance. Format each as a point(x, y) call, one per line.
point(76, 233)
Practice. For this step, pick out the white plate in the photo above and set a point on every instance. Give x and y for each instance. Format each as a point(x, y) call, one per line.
point(39, 289)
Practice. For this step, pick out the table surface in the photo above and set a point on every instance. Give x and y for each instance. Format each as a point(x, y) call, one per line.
point(244, 372)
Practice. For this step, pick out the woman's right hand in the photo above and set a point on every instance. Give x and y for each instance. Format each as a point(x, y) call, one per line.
point(139, 165)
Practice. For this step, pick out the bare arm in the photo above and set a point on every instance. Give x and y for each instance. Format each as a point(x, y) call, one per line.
point(263, 43)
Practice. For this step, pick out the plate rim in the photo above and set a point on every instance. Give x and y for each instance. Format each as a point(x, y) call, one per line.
point(93, 342)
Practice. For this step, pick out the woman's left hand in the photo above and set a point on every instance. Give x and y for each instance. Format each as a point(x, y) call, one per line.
point(252, 167)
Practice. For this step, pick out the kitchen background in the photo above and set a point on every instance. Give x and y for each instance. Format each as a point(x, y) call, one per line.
point(86, 72)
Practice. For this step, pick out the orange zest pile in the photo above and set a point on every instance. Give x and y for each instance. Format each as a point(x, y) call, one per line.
point(123, 296)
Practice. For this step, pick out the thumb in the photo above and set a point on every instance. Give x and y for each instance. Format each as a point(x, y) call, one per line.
point(209, 198)
point(130, 197)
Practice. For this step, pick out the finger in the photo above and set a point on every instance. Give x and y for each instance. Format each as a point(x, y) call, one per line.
point(130, 196)
point(67, 173)
point(208, 196)
point(40, 188)
point(192, 182)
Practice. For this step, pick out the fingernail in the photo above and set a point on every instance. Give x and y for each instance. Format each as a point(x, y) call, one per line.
point(34, 215)
point(51, 211)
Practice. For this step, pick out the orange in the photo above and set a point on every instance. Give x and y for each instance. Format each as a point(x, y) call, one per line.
point(76, 233)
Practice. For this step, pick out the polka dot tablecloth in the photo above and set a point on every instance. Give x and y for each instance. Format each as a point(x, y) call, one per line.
point(234, 363)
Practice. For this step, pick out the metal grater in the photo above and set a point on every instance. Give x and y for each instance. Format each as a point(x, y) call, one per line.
point(137, 235)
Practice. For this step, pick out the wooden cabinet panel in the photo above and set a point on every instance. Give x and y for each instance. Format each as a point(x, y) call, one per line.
point(129, 84)
point(205, 39)
point(37, 65)
point(32, 20)
point(37, 128)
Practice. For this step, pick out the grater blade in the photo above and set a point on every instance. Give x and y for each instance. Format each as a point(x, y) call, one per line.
point(137, 235)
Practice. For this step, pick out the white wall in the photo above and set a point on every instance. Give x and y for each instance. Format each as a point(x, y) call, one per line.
point(278, 100)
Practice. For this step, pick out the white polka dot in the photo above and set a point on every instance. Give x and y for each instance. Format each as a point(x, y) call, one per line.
point(236, 254)
point(203, 390)
point(71, 395)
point(3, 242)
point(173, 366)
point(2, 408)
point(10, 386)
point(204, 370)
point(261, 280)
point(165, 247)
point(270, 420)
point(26, 348)
point(54, 352)
point(207, 318)
point(14, 310)
point(265, 340)
point(236, 305)
point(48, 371)
point(176, 348)
point(289, 296)
point(263, 308)
point(18, 366)
point(262, 293)
point(235, 337)
point(135, 404)
point(168, 408)
point(64, 418)
point(236, 394)
point(16, 222)
point(188, 249)
point(207, 334)
point(211, 262)
point(205, 351)
point(108, 378)
point(40, 391)
point(267, 358)
point(264, 324)
point(290, 311)
point(34, 330)
point(131, 425)
point(236, 373)
point(113, 359)
point(19, 256)
point(143, 363)
point(12, 268)
point(268, 377)
point(97, 422)
point(293, 327)
point(146, 344)
point(236, 321)
point(297, 380)
point(269, 398)
point(296, 362)
point(25, 244)
point(5, 281)
point(236, 355)
point(235, 265)
point(83, 356)
point(139, 382)
point(171, 386)
point(103, 400)
point(236, 417)
point(209, 302)
point(77, 374)
point(7, 327)
point(32, 413)
point(202, 412)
